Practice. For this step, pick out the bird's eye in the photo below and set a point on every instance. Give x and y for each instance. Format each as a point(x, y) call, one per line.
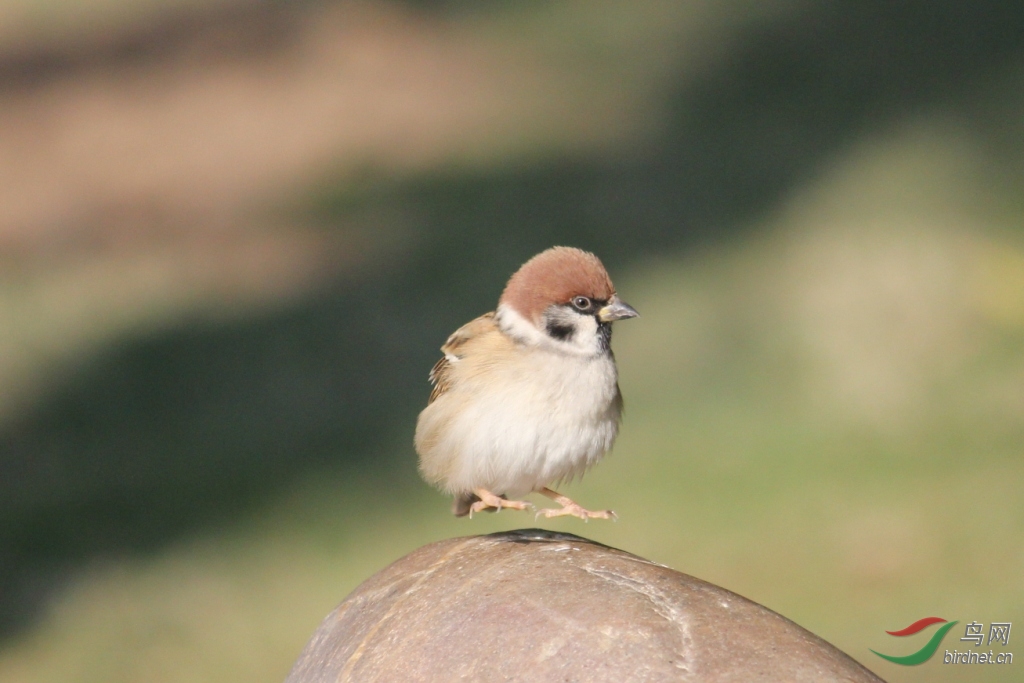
point(581, 303)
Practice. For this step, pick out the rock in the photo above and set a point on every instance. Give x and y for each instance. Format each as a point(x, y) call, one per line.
point(534, 605)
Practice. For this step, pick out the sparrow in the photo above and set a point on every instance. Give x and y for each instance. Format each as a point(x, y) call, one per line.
point(527, 396)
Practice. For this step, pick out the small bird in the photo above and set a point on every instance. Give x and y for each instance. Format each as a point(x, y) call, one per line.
point(527, 396)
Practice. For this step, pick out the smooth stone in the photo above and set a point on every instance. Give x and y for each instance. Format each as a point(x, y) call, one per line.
point(534, 605)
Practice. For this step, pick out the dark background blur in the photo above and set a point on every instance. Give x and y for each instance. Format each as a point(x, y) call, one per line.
point(234, 234)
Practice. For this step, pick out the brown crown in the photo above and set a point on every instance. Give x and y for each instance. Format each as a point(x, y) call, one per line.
point(555, 276)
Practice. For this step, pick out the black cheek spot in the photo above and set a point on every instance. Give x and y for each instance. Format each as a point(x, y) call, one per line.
point(559, 331)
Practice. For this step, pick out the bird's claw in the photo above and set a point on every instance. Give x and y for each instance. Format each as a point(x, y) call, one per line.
point(497, 504)
point(576, 511)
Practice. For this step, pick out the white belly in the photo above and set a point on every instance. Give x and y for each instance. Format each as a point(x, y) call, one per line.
point(529, 424)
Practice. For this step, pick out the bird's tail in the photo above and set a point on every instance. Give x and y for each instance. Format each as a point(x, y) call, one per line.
point(462, 503)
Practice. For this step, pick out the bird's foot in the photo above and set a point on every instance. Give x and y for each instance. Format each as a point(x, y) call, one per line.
point(571, 507)
point(489, 501)
point(576, 510)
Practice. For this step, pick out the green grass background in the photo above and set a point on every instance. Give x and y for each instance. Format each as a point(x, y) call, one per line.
point(824, 413)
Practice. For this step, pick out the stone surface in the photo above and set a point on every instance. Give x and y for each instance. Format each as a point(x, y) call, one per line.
point(534, 605)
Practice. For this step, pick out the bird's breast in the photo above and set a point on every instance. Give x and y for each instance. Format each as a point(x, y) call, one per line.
point(555, 386)
point(524, 421)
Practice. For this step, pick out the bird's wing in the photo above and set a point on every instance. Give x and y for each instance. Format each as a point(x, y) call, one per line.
point(441, 373)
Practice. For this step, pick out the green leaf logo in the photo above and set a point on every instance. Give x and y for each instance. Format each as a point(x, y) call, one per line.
point(925, 653)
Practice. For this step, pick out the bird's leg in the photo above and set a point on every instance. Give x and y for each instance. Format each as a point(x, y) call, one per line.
point(571, 507)
point(490, 500)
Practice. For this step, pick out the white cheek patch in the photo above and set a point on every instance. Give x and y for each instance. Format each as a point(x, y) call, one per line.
point(565, 331)
point(561, 324)
point(587, 339)
point(518, 327)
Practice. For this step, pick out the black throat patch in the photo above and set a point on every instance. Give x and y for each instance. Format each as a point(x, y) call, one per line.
point(604, 333)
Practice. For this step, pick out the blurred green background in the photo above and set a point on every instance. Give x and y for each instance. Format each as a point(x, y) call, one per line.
point(234, 234)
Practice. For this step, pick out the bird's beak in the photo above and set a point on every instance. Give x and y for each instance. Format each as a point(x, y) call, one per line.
point(616, 310)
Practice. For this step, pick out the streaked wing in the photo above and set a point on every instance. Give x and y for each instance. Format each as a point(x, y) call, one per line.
point(441, 373)
point(440, 377)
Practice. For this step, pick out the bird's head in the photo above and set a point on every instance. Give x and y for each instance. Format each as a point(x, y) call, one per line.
point(562, 298)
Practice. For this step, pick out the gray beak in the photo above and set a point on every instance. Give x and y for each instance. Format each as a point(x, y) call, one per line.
point(616, 310)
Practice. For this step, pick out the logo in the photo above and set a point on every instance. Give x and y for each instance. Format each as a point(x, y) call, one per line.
point(999, 633)
point(925, 653)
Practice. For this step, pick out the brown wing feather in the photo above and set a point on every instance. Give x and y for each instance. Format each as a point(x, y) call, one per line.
point(440, 374)
point(439, 377)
